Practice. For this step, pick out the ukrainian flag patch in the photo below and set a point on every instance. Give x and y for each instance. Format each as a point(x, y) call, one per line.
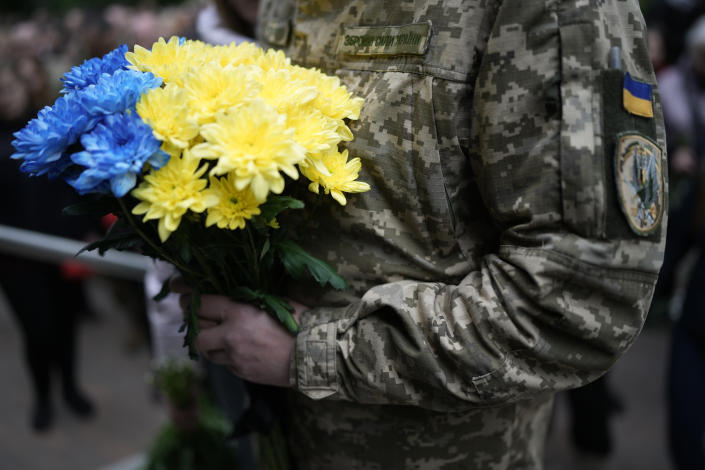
point(637, 97)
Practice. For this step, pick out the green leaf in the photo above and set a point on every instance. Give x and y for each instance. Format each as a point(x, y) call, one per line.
point(246, 294)
point(120, 236)
point(296, 260)
point(282, 310)
point(164, 291)
point(266, 265)
point(185, 252)
point(276, 204)
point(98, 205)
point(265, 248)
point(273, 304)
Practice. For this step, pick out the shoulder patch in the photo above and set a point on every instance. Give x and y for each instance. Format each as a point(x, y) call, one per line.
point(637, 97)
point(639, 179)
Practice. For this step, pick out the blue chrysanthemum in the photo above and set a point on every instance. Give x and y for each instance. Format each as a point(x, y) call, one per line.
point(117, 92)
point(88, 73)
point(44, 141)
point(115, 152)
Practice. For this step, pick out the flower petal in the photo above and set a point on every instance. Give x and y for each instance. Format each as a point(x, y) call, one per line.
point(121, 184)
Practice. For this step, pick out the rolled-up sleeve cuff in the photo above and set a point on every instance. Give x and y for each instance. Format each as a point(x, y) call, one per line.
point(313, 367)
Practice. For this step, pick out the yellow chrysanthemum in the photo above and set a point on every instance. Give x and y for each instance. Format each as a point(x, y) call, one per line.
point(212, 88)
point(344, 131)
point(273, 60)
point(309, 75)
point(280, 90)
point(342, 178)
point(166, 194)
point(314, 131)
point(255, 143)
point(234, 207)
point(245, 53)
point(333, 99)
point(165, 110)
point(169, 60)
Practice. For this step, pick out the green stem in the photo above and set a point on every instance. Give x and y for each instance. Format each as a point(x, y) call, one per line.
point(255, 257)
point(212, 278)
point(240, 266)
point(227, 277)
point(149, 241)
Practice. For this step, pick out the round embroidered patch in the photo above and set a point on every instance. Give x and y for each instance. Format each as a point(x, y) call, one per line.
point(639, 179)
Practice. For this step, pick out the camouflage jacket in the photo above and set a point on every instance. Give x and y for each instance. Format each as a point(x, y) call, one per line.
point(513, 234)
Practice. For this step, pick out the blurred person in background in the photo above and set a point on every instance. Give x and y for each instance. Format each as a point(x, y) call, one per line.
point(226, 21)
point(683, 90)
point(686, 376)
point(592, 408)
point(683, 96)
point(144, 26)
point(672, 17)
point(657, 48)
point(47, 300)
point(36, 48)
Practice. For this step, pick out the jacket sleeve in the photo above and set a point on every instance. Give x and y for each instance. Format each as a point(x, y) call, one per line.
point(567, 288)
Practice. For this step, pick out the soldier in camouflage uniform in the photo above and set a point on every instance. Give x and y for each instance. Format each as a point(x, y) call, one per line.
point(510, 243)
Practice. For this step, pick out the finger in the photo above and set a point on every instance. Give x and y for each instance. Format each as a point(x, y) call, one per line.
point(299, 308)
point(217, 356)
point(210, 339)
point(216, 307)
point(179, 285)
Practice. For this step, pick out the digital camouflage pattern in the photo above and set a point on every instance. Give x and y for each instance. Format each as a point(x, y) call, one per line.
point(491, 264)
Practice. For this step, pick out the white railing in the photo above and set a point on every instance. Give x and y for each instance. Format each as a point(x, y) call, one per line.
point(50, 248)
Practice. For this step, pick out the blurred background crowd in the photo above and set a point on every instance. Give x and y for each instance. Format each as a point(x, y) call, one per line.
point(648, 413)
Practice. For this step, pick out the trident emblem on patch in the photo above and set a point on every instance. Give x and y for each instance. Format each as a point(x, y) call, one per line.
point(639, 179)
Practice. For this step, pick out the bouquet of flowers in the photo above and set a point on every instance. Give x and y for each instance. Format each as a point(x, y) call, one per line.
point(197, 149)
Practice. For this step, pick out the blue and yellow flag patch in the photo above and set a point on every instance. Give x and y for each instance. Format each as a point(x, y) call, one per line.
point(637, 97)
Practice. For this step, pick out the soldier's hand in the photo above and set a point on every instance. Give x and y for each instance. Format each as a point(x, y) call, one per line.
point(245, 339)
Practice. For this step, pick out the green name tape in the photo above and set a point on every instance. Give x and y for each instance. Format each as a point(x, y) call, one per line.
point(385, 40)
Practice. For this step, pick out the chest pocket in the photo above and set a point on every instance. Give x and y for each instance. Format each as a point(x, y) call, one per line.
point(399, 139)
point(410, 132)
